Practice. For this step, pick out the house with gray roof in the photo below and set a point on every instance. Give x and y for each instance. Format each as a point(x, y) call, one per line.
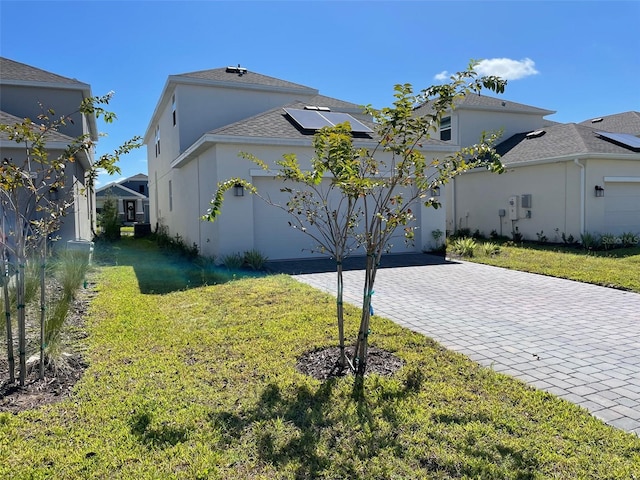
point(560, 180)
point(131, 195)
point(201, 123)
point(26, 92)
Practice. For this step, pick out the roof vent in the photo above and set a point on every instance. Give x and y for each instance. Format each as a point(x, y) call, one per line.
point(504, 104)
point(239, 70)
point(535, 134)
point(316, 107)
point(596, 120)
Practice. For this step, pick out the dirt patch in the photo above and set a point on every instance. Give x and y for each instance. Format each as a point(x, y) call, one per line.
point(59, 379)
point(323, 364)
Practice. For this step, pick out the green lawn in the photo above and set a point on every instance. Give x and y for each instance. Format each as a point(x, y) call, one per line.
point(201, 383)
point(618, 268)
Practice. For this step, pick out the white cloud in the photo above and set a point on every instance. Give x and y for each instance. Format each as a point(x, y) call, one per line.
point(507, 68)
point(442, 76)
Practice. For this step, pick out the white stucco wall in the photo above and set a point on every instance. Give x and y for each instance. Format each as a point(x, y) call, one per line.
point(469, 124)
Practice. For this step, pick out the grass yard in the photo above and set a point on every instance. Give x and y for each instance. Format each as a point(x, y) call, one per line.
point(200, 382)
point(618, 268)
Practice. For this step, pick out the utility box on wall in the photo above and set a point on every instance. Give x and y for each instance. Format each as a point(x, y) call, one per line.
point(513, 207)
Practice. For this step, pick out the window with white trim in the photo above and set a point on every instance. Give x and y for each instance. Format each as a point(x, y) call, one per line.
point(445, 128)
point(157, 140)
point(173, 109)
point(170, 197)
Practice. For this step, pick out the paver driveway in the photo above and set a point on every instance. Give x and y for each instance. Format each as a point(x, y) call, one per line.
point(578, 341)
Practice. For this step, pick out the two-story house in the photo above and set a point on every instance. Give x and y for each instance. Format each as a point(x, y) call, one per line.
point(204, 119)
point(27, 92)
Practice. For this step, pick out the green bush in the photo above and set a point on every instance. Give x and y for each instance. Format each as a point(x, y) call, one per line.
point(254, 259)
point(490, 249)
point(464, 247)
point(233, 261)
point(108, 220)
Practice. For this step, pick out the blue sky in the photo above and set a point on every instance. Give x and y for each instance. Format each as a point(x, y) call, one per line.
point(579, 58)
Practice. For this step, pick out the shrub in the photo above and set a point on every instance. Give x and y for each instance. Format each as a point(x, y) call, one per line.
point(254, 259)
point(108, 220)
point(464, 247)
point(517, 236)
point(608, 240)
point(629, 239)
point(233, 261)
point(490, 249)
point(542, 238)
point(589, 241)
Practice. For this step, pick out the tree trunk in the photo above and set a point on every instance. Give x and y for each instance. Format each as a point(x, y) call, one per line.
point(42, 307)
point(340, 313)
point(362, 344)
point(22, 329)
point(7, 312)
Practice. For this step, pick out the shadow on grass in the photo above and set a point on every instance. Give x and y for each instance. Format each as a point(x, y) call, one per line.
point(162, 437)
point(304, 431)
point(160, 272)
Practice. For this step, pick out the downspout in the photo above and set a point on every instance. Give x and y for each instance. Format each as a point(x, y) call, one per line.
point(582, 193)
point(453, 208)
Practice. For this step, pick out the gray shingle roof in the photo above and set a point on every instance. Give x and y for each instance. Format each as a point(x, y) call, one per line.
point(475, 101)
point(248, 78)
point(557, 141)
point(627, 122)
point(53, 136)
point(10, 70)
point(276, 124)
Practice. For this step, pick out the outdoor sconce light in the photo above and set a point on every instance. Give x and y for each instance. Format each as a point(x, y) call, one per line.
point(599, 191)
point(53, 194)
point(238, 190)
point(435, 191)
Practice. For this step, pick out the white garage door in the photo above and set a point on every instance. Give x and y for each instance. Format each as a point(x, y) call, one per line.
point(622, 207)
point(277, 240)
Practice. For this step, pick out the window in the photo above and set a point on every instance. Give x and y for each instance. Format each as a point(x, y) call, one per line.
point(170, 197)
point(157, 140)
point(445, 129)
point(173, 109)
point(141, 189)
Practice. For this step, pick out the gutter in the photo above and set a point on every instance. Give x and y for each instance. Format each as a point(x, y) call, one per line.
point(582, 193)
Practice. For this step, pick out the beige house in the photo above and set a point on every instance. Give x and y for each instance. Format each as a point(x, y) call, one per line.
point(204, 119)
point(24, 92)
point(560, 179)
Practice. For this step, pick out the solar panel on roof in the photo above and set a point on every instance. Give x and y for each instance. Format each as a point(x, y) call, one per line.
point(316, 119)
point(338, 117)
point(625, 139)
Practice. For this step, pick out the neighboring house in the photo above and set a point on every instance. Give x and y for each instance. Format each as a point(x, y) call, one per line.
point(560, 179)
point(204, 119)
point(131, 196)
point(26, 92)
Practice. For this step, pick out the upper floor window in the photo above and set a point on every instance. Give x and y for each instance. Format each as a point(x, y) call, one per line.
point(157, 140)
point(141, 189)
point(445, 128)
point(173, 109)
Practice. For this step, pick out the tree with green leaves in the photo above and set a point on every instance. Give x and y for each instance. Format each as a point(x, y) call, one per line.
point(386, 183)
point(37, 190)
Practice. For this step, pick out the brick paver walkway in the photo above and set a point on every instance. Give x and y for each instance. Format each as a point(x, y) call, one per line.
point(578, 341)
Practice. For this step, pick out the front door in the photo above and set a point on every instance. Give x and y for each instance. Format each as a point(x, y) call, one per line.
point(130, 210)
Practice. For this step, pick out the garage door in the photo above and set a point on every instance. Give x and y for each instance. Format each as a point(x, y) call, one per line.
point(622, 207)
point(275, 238)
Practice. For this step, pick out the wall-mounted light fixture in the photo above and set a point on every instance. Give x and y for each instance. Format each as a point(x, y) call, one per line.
point(238, 190)
point(599, 191)
point(435, 191)
point(53, 194)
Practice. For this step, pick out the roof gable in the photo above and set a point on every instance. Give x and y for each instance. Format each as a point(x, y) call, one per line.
point(116, 190)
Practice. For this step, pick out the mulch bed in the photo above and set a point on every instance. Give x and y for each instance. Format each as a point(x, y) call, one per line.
point(323, 364)
point(60, 379)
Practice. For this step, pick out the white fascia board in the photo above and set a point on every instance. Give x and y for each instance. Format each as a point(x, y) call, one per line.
point(208, 139)
point(622, 179)
point(577, 156)
point(241, 86)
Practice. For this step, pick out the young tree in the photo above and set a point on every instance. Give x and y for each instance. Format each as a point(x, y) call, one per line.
point(382, 185)
point(36, 191)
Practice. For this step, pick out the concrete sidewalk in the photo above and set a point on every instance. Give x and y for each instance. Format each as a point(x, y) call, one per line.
point(578, 341)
